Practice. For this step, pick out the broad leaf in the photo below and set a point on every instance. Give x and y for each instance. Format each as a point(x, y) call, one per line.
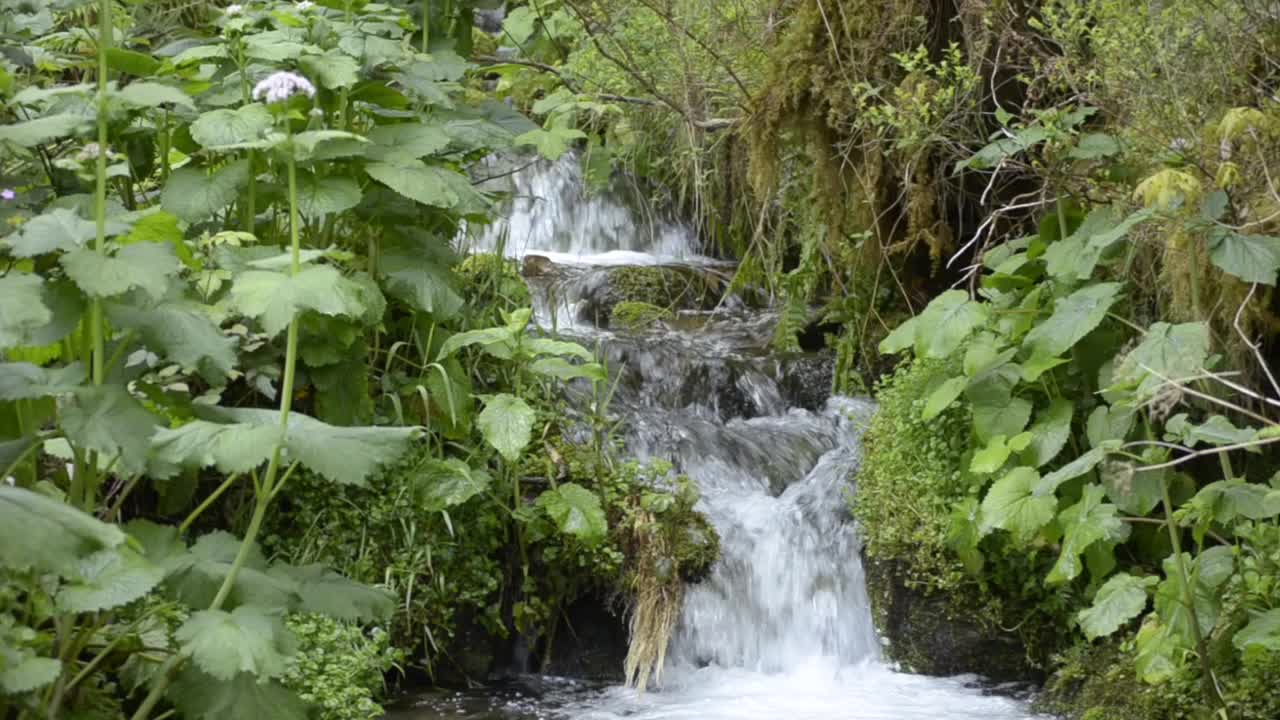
point(1252, 258)
point(1073, 317)
point(1262, 633)
point(24, 381)
point(231, 448)
point(59, 229)
point(153, 95)
point(319, 196)
point(1087, 522)
point(559, 368)
point(225, 644)
point(31, 133)
point(1051, 431)
point(109, 579)
point(1074, 469)
point(46, 534)
point(22, 672)
point(200, 696)
point(417, 271)
point(142, 265)
point(238, 127)
point(275, 298)
point(106, 418)
point(551, 143)
point(946, 323)
point(200, 572)
point(497, 341)
point(441, 484)
point(407, 141)
point(507, 424)
point(547, 346)
point(194, 195)
point(321, 590)
point(23, 311)
point(1226, 501)
point(576, 511)
point(1011, 505)
point(183, 334)
point(902, 337)
point(1172, 352)
point(1122, 598)
point(426, 184)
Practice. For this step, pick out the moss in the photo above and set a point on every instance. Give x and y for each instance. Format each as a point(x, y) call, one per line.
point(670, 287)
point(632, 315)
point(1098, 682)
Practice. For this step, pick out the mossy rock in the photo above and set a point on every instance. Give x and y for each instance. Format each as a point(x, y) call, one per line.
point(696, 547)
point(1099, 682)
point(669, 287)
point(631, 315)
point(490, 277)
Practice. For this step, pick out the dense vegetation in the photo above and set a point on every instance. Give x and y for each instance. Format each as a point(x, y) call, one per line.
point(252, 404)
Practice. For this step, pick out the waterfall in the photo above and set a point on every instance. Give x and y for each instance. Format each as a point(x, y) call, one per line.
point(782, 628)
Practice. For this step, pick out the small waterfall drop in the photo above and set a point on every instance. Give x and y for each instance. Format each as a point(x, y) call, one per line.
point(782, 628)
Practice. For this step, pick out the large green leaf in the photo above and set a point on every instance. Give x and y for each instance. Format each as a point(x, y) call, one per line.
point(49, 535)
point(194, 195)
point(427, 184)
point(1227, 501)
point(144, 95)
point(496, 341)
point(334, 69)
point(320, 145)
point(1171, 599)
point(185, 334)
point(321, 590)
point(59, 229)
point(1074, 469)
point(199, 573)
point(561, 369)
point(576, 512)
point(1012, 505)
point(417, 271)
point(1122, 598)
point(106, 418)
point(1051, 431)
point(946, 323)
point(407, 140)
point(23, 311)
point(1074, 317)
point(231, 448)
point(244, 125)
point(21, 671)
point(551, 143)
point(1262, 633)
point(24, 381)
point(31, 133)
point(142, 265)
point(1252, 258)
point(548, 346)
point(275, 298)
point(225, 644)
point(200, 696)
point(943, 396)
point(507, 424)
point(109, 579)
point(346, 455)
point(441, 484)
point(901, 338)
point(1087, 522)
point(1173, 352)
point(319, 196)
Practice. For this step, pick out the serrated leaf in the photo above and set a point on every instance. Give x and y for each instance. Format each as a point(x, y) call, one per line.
point(1087, 522)
point(275, 298)
point(1012, 505)
point(24, 381)
point(441, 484)
point(23, 311)
point(109, 579)
point(507, 424)
point(131, 62)
point(992, 457)
point(24, 672)
point(1095, 146)
point(417, 271)
point(185, 335)
point(1108, 423)
point(946, 323)
point(319, 196)
point(345, 455)
point(225, 644)
point(1122, 598)
point(200, 572)
point(200, 696)
point(321, 590)
point(106, 418)
point(244, 125)
point(153, 94)
point(1074, 469)
point(943, 396)
point(334, 70)
point(319, 145)
point(31, 133)
point(231, 448)
point(1074, 317)
point(1252, 258)
point(49, 535)
point(576, 512)
point(142, 265)
point(59, 229)
point(426, 184)
point(1262, 633)
point(1228, 500)
point(407, 141)
point(1051, 431)
point(551, 143)
point(193, 195)
point(1175, 352)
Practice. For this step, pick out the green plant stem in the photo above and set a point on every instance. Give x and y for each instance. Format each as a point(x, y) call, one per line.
point(213, 497)
point(1188, 598)
point(426, 25)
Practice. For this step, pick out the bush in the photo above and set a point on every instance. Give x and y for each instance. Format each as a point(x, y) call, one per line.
point(340, 667)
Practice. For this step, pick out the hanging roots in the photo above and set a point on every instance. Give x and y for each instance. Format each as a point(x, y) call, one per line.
point(657, 594)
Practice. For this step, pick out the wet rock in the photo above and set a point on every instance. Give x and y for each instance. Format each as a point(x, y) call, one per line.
point(590, 642)
point(537, 266)
point(932, 635)
point(671, 287)
point(806, 380)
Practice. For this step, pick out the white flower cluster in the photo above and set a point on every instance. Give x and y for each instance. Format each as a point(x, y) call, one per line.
point(279, 86)
point(305, 5)
point(233, 9)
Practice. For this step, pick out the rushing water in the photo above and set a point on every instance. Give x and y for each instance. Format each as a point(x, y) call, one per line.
point(782, 627)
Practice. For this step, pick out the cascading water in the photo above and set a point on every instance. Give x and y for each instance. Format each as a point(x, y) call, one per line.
point(782, 628)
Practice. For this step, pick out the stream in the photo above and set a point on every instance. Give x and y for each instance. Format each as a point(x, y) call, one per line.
point(782, 628)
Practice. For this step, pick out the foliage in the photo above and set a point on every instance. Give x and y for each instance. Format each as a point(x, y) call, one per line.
point(339, 667)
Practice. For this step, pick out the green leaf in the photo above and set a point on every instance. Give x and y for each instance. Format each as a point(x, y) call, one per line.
point(1252, 258)
point(46, 534)
point(1011, 505)
point(193, 195)
point(319, 145)
point(1176, 352)
point(347, 455)
point(497, 341)
point(507, 424)
point(520, 25)
point(404, 141)
point(333, 70)
point(1087, 522)
point(1217, 430)
point(1051, 431)
point(943, 396)
point(426, 184)
point(417, 271)
point(562, 369)
point(142, 265)
point(199, 696)
point(106, 418)
point(24, 381)
point(22, 672)
point(547, 346)
point(321, 590)
point(153, 95)
point(1171, 600)
point(224, 644)
point(576, 512)
point(1095, 146)
point(992, 419)
point(1074, 317)
point(946, 323)
point(231, 448)
point(551, 143)
point(1160, 651)
point(1004, 148)
point(1262, 633)
point(131, 62)
point(274, 298)
point(1122, 598)
point(109, 579)
point(442, 484)
point(1228, 500)
point(244, 125)
point(902, 337)
point(992, 457)
point(332, 194)
point(199, 573)
point(1108, 423)
point(23, 310)
point(31, 133)
point(184, 334)
point(59, 229)
point(1074, 469)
